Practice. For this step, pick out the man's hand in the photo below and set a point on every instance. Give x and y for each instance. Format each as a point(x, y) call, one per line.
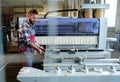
point(40, 47)
point(40, 51)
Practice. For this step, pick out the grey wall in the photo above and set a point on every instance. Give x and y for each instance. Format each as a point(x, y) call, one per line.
point(111, 32)
point(118, 16)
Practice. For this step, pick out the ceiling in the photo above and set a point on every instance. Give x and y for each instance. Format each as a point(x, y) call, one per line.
point(28, 2)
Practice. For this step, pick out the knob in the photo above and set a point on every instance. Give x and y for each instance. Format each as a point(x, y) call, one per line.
point(57, 69)
point(85, 69)
point(71, 69)
point(112, 69)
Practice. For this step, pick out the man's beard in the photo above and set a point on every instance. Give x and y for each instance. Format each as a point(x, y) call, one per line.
point(31, 22)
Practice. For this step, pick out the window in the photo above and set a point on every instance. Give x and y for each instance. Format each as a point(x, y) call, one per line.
point(110, 13)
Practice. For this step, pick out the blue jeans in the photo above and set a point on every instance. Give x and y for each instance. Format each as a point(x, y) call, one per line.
point(28, 57)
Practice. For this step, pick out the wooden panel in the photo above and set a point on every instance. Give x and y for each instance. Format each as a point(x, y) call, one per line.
point(12, 48)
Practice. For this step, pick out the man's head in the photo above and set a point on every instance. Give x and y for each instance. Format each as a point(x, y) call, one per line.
point(32, 15)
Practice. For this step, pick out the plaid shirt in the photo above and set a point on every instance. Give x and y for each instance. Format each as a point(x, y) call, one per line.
point(26, 30)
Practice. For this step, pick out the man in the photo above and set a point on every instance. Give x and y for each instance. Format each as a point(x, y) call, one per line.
point(27, 42)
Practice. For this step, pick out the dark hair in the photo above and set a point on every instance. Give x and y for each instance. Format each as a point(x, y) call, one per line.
point(33, 11)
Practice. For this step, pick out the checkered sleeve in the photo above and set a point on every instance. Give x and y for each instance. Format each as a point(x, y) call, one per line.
point(26, 35)
point(35, 42)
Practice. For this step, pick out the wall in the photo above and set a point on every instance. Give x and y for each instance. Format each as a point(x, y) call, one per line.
point(118, 16)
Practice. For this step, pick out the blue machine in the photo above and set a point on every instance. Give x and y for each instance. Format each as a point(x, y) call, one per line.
point(67, 26)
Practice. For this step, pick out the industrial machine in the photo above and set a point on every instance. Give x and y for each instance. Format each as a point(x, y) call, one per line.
point(75, 51)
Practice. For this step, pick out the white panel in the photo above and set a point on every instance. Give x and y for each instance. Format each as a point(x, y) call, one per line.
point(66, 40)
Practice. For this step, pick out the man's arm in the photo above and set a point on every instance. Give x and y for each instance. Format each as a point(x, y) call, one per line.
point(40, 51)
point(40, 47)
point(26, 34)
